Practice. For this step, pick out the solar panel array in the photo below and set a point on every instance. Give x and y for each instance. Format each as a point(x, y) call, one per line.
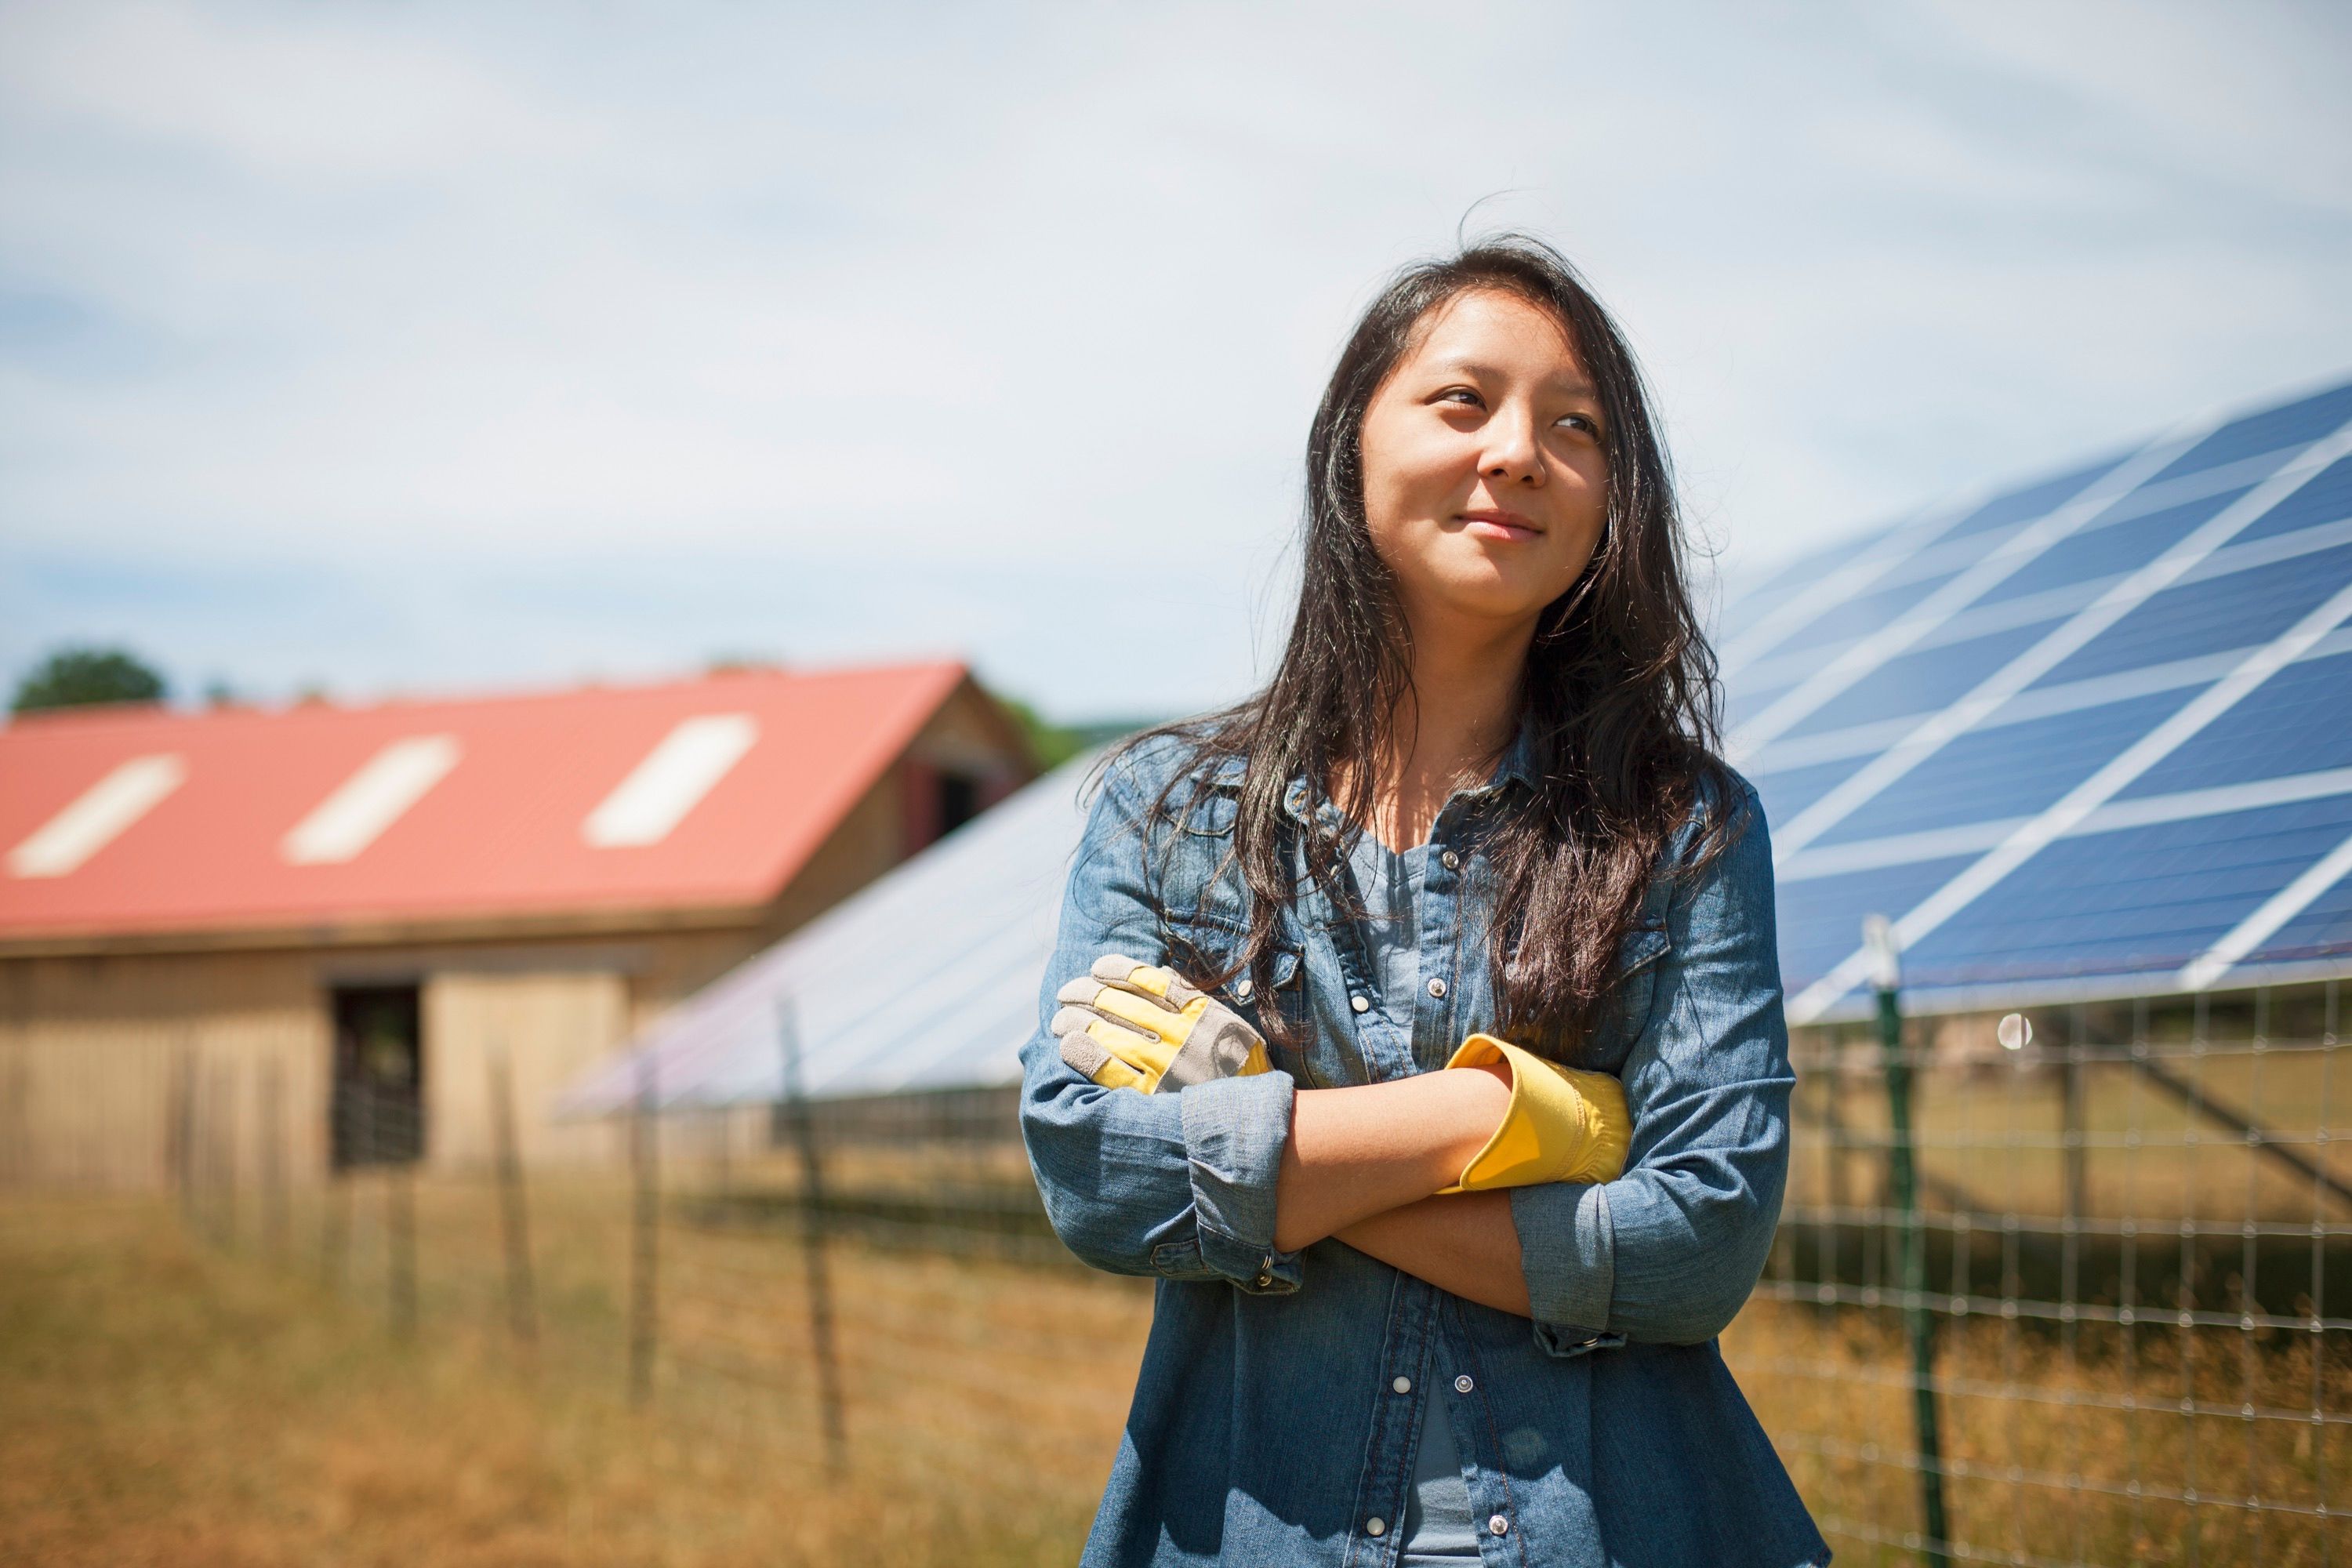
point(2089, 737)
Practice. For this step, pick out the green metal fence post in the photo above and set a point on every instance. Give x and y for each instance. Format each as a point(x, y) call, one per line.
point(1878, 935)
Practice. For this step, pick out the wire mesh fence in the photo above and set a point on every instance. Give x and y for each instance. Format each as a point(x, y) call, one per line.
point(2136, 1281)
point(2138, 1286)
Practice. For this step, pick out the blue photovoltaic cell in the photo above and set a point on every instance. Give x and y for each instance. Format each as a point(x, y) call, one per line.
point(2273, 428)
point(1923, 681)
point(1775, 672)
point(2298, 722)
point(1755, 599)
point(2110, 551)
point(2022, 506)
point(2142, 898)
point(2015, 770)
point(2238, 610)
point(1743, 703)
point(1820, 918)
point(1789, 790)
point(2325, 497)
point(2324, 928)
point(1859, 616)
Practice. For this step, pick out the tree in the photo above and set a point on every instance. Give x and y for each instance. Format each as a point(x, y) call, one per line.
point(1053, 744)
point(79, 677)
point(1050, 745)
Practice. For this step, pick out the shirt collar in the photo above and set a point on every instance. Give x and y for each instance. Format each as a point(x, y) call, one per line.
point(1519, 761)
point(1518, 765)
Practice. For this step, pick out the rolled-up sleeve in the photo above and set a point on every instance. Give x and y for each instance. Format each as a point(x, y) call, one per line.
point(1180, 1185)
point(1671, 1249)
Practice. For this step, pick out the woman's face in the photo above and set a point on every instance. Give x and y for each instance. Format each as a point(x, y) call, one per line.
point(1484, 483)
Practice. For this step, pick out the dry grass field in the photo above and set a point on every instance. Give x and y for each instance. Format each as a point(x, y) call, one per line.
point(163, 1403)
point(2064, 1447)
point(230, 1388)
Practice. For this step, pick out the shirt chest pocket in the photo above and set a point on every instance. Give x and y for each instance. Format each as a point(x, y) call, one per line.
point(1204, 911)
point(1202, 946)
point(1642, 959)
point(1200, 949)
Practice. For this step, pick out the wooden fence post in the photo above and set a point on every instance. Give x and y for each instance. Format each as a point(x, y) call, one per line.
point(223, 1153)
point(813, 1236)
point(644, 1250)
point(335, 1211)
point(273, 1157)
point(16, 1121)
point(522, 1312)
point(180, 1133)
point(400, 1233)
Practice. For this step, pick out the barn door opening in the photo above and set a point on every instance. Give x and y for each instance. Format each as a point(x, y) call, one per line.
point(378, 1109)
point(959, 801)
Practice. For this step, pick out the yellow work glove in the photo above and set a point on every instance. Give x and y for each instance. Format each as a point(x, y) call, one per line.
point(1127, 1025)
point(1563, 1125)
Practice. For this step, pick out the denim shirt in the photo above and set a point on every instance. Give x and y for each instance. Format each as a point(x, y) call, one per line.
point(1275, 1416)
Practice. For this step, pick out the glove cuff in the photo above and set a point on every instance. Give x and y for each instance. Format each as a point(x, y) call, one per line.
point(1612, 1134)
point(1562, 1124)
point(1550, 1131)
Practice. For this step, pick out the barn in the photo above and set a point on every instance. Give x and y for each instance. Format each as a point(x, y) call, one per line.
point(363, 929)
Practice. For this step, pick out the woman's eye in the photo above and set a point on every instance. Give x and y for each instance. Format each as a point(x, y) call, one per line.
point(1584, 422)
point(1462, 396)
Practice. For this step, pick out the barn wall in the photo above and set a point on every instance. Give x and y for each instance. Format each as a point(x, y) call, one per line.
point(97, 1052)
point(541, 1029)
point(102, 1058)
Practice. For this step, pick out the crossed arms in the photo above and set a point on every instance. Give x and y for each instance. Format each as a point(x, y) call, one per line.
point(1231, 1178)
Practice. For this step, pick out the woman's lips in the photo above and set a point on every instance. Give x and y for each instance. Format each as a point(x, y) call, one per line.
point(1489, 523)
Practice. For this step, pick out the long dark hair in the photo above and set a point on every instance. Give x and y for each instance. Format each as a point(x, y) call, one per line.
point(1619, 699)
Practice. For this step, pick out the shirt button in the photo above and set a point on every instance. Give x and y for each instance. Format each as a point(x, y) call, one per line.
point(1360, 1004)
point(1436, 986)
point(1498, 1525)
point(1449, 860)
point(1264, 1280)
point(1463, 1384)
point(1376, 1525)
point(1242, 988)
point(1403, 1385)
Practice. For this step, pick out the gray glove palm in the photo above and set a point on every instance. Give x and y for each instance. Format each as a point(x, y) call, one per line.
point(1128, 1025)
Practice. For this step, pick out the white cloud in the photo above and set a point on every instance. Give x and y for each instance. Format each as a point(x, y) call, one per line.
point(299, 96)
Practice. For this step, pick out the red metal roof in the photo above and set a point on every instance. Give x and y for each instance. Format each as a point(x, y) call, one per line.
point(500, 830)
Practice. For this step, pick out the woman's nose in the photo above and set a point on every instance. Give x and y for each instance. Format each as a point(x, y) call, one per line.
point(1512, 455)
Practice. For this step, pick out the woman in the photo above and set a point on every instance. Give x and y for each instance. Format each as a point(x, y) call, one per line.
point(1410, 1309)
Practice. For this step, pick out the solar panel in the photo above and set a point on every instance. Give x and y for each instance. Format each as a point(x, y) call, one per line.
point(2295, 424)
point(1867, 613)
point(2328, 498)
point(2111, 755)
point(2295, 722)
point(1928, 677)
point(2108, 548)
point(1990, 773)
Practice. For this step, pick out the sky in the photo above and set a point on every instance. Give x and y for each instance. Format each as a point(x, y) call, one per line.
point(422, 349)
